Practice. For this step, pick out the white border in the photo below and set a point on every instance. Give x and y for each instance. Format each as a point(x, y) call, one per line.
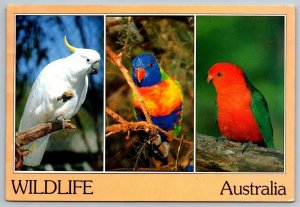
point(104, 94)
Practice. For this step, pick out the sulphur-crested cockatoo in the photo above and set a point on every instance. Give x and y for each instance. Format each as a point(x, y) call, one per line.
point(57, 94)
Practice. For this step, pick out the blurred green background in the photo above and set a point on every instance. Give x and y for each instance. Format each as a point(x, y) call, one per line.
point(256, 44)
point(171, 40)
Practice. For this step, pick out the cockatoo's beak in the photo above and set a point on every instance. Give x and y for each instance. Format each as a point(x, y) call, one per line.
point(95, 67)
point(209, 78)
point(140, 74)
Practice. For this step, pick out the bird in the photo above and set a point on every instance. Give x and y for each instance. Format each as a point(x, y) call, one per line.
point(162, 96)
point(242, 111)
point(56, 95)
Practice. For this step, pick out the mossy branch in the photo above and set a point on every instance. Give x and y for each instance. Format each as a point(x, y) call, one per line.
point(227, 156)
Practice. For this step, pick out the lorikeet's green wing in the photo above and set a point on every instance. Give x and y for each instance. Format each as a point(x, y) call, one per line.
point(164, 76)
point(177, 129)
point(260, 111)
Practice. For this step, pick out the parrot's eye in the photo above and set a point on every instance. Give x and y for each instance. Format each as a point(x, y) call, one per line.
point(150, 64)
point(219, 74)
point(88, 60)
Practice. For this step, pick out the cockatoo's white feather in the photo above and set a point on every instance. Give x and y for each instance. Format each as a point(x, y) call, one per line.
point(67, 74)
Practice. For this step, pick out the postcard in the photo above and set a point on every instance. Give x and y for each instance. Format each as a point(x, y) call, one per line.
point(150, 103)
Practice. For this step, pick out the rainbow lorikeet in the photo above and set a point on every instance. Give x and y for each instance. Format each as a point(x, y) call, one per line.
point(243, 114)
point(161, 94)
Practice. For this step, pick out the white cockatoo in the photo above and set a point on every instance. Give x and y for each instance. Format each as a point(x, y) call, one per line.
point(57, 94)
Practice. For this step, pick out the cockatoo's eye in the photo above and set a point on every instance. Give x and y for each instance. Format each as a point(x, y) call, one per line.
point(150, 64)
point(87, 60)
point(219, 74)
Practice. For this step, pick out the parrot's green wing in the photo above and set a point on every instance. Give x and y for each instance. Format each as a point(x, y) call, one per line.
point(260, 111)
point(164, 76)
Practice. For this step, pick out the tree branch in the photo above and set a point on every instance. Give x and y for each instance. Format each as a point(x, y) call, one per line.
point(226, 156)
point(117, 60)
point(31, 134)
point(34, 133)
point(126, 126)
point(115, 116)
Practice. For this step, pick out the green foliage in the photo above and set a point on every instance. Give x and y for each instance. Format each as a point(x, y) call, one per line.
point(256, 44)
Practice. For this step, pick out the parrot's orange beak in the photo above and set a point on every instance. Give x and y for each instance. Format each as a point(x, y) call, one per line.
point(209, 78)
point(140, 74)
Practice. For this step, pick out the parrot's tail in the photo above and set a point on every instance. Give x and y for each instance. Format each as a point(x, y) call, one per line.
point(36, 150)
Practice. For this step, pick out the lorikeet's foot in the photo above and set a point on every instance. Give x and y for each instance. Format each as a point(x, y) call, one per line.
point(67, 95)
point(221, 138)
point(62, 120)
point(159, 148)
point(163, 150)
point(247, 145)
point(158, 162)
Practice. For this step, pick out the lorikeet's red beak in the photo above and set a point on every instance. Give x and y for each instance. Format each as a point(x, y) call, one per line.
point(209, 78)
point(140, 74)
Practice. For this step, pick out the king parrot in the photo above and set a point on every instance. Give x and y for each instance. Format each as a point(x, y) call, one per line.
point(242, 111)
point(161, 94)
point(57, 94)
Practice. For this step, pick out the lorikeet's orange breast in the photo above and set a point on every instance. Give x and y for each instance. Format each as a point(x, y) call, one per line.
point(235, 118)
point(161, 99)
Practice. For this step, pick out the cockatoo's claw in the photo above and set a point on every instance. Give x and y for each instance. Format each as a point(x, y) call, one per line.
point(25, 152)
point(62, 120)
point(67, 95)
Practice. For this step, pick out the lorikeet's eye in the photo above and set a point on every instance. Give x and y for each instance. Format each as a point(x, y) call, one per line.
point(219, 74)
point(150, 64)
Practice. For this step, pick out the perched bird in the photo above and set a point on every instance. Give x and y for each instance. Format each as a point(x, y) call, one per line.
point(243, 114)
point(162, 95)
point(57, 94)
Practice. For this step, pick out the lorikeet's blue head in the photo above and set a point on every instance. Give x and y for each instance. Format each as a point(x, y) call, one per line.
point(145, 70)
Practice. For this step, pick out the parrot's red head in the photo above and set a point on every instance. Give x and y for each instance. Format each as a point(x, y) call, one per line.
point(225, 75)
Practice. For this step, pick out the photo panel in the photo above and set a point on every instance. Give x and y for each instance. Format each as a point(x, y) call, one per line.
point(157, 55)
point(122, 103)
point(240, 93)
point(59, 85)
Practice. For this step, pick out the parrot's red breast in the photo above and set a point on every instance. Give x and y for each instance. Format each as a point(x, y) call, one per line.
point(235, 118)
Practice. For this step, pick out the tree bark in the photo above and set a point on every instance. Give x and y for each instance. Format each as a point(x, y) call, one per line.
point(227, 156)
point(36, 132)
